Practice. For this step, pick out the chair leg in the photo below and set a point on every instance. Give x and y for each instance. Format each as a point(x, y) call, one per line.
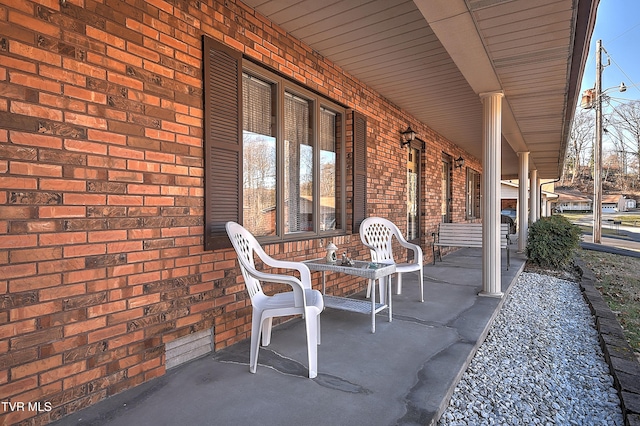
point(256, 330)
point(311, 326)
point(421, 286)
point(399, 284)
point(266, 331)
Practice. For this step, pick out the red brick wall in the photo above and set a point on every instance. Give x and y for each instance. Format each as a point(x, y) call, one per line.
point(101, 189)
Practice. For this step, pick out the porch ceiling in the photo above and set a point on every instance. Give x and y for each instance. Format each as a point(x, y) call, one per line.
point(434, 57)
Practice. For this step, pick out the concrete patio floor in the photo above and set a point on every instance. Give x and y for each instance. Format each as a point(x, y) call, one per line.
point(401, 375)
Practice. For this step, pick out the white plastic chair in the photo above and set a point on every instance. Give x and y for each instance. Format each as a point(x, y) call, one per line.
point(303, 300)
point(377, 233)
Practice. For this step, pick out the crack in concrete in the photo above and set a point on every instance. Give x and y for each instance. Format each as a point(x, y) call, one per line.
point(337, 383)
point(271, 359)
point(415, 414)
point(434, 280)
point(407, 318)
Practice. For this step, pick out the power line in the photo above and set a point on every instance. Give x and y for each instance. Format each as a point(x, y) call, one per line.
point(631, 82)
point(624, 32)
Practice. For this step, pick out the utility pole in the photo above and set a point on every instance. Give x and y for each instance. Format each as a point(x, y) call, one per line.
point(597, 154)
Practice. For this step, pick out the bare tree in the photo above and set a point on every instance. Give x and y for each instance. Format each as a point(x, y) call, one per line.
point(622, 153)
point(626, 118)
point(581, 139)
point(620, 148)
point(259, 183)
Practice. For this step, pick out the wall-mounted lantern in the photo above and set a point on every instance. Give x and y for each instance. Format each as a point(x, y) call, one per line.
point(407, 136)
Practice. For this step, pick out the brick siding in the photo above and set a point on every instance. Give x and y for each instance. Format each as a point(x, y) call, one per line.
point(101, 189)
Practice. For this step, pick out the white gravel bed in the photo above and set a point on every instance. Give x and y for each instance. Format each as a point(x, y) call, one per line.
point(540, 364)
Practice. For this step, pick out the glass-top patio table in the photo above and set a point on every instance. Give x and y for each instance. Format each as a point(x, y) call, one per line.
point(370, 270)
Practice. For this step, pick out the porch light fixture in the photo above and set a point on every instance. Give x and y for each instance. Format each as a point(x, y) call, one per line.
point(459, 162)
point(407, 136)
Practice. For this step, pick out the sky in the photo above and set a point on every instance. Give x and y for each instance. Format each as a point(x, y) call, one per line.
point(618, 26)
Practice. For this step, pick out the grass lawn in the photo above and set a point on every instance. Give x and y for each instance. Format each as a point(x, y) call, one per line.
point(626, 219)
point(618, 279)
point(629, 220)
point(575, 216)
point(605, 230)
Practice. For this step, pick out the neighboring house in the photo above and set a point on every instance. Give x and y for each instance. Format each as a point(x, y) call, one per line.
point(132, 131)
point(576, 202)
point(572, 202)
point(509, 196)
point(614, 203)
point(630, 203)
point(546, 201)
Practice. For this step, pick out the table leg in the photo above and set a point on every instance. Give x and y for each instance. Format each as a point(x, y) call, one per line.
point(324, 284)
point(373, 307)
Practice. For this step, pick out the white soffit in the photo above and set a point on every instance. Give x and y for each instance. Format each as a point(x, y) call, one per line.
point(433, 58)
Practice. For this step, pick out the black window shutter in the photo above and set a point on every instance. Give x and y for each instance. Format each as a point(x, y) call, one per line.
point(222, 141)
point(359, 170)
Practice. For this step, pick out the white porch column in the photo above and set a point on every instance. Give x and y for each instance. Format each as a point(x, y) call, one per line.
point(491, 173)
point(547, 209)
point(523, 201)
point(539, 199)
point(533, 196)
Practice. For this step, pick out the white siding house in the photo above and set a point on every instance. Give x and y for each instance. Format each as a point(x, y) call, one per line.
point(572, 202)
point(614, 203)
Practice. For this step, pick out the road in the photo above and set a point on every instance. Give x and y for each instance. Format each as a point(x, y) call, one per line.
point(623, 239)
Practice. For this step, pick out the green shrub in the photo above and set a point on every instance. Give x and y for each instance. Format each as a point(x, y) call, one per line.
point(552, 241)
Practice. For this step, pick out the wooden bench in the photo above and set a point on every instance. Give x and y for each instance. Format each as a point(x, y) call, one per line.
point(466, 235)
